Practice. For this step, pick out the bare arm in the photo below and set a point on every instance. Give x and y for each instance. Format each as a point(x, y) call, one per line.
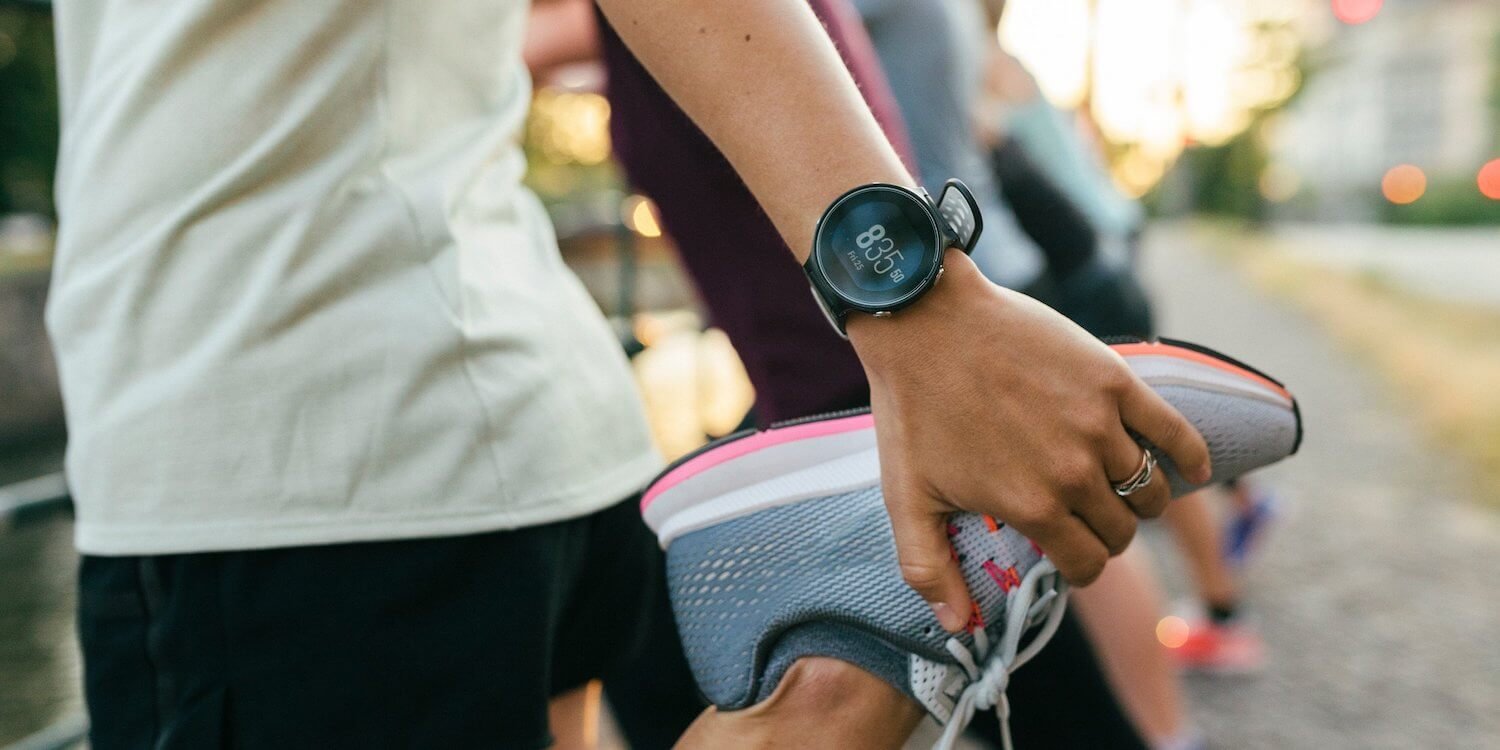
point(984, 400)
point(764, 82)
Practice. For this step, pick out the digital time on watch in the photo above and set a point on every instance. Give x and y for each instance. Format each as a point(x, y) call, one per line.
point(879, 247)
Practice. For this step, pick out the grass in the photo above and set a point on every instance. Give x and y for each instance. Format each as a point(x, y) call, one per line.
point(1443, 358)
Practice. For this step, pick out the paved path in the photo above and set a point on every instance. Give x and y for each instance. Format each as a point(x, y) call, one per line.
point(1380, 595)
point(1461, 265)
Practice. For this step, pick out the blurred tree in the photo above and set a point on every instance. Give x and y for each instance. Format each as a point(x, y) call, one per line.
point(1226, 178)
point(28, 108)
point(1495, 93)
point(1455, 202)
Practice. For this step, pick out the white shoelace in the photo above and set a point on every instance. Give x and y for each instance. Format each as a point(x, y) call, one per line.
point(1041, 597)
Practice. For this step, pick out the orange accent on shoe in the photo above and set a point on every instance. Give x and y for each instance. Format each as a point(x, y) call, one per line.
point(976, 618)
point(1006, 579)
point(1167, 350)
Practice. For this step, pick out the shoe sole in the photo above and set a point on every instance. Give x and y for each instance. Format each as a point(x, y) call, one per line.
point(833, 453)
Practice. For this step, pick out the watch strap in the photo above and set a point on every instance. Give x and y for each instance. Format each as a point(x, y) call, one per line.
point(835, 316)
point(958, 213)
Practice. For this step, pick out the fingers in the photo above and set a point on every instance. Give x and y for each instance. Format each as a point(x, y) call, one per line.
point(1146, 412)
point(927, 562)
point(1122, 459)
point(1074, 548)
point(1111, 520)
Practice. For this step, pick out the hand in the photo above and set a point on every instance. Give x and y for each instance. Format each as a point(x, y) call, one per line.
point(987, 401)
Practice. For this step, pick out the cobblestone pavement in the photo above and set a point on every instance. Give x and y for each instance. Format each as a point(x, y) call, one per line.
point(1379, 594)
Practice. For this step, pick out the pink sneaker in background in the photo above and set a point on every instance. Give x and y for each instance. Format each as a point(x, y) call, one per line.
point(1228, 648)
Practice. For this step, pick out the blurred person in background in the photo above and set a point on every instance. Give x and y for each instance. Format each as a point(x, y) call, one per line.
point(932, 65)
point(1048, 248)
point(352, 451)
point(1021, 127)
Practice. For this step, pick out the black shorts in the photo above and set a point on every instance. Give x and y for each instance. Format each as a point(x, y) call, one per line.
point(449, 642)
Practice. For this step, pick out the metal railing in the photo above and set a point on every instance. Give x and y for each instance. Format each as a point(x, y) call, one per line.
point(41, 496)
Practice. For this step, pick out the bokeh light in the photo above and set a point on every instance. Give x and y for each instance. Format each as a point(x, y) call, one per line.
point(639, 213)
point(1216, 45)
point(1279, 183)
point(1489, 180)
point(1172, 631)
point(1355, 12)
point(570, 127)
point(1403, 184)
point(1161, 74)
point(1052, 38)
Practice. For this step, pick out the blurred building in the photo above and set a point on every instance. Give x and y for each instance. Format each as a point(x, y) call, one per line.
point(1417, 84)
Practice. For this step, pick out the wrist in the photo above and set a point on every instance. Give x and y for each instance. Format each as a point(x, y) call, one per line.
point(912, 331)
point(797, 229)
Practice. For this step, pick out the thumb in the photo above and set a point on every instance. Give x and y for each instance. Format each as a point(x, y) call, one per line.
point(921, 530)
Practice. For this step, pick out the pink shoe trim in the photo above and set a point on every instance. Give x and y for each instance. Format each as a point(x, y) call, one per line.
point(753, 443)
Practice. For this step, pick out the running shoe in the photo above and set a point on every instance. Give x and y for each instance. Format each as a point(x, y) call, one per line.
point(778, 547)
point(1228, 648)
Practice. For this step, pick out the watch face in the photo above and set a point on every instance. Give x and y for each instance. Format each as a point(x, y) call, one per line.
point(877, 246)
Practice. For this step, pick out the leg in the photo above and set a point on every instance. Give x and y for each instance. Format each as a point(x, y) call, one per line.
point(653, 696)
point(819, 703)
point(764, 307)
point(1120, 612)
point(1199, 538)
point(574, 718)
point(1061, 700)
point(1225, 641)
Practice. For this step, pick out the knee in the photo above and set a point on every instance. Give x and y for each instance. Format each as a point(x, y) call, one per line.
point(820, 702)
point(821, 685)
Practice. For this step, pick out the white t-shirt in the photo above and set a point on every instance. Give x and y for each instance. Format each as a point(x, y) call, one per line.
point(300, 294)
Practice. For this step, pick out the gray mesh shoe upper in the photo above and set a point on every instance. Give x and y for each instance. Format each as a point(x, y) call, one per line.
point(738, 586)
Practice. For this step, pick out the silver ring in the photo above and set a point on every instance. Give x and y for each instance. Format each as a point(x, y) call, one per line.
point(1141, 478)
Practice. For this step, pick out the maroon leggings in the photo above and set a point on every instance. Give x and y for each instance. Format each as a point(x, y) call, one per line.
point(745, 273)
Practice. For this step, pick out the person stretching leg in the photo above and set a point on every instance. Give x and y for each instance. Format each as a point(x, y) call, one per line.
point(333, 396)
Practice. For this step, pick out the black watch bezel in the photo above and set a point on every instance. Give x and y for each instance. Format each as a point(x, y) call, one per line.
point(955, 221)
point(831, 296)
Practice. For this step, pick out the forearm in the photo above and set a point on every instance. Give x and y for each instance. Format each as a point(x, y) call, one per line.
point(765, 84)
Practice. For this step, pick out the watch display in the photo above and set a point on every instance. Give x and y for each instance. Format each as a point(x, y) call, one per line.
point(877, 245)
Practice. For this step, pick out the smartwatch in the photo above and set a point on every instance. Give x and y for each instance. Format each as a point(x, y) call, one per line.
point(879, 248)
